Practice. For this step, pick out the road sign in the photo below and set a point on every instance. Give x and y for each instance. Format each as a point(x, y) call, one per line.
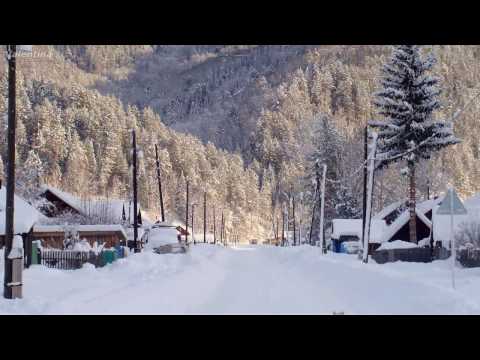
point(451, 205)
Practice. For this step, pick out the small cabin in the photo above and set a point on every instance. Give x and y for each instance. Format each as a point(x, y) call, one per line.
point(397, 217)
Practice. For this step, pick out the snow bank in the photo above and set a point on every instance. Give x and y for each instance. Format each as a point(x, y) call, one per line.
point(397, 244)
point(247, 280)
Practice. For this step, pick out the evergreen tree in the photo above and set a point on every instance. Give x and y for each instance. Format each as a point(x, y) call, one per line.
point(347, 206)
point(30, 175)
point(328, 150)
point(407, 102)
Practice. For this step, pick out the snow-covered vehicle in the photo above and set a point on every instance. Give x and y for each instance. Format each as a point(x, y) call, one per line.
point(163, 239)
point(349, 247)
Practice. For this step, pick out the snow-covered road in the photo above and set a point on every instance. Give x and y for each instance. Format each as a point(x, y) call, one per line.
point(254, 280)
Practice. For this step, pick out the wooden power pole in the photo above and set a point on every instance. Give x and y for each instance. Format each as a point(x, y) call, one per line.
point(214, 227)
point(365, 175)
point(294, 225)
point(186, 215)
point(162, 210)
point(204, 217)
point(193, 214)
point(11, 288)
point(135, 211)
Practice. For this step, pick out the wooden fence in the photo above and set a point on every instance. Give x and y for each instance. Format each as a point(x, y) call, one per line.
point(72, 260)
point(469, 258)
point(410, 255)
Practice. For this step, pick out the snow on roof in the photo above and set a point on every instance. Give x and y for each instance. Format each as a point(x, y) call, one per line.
point(353, 227)
point(164, 224)
point(80, 228)
point(388, 210)
point(68, 198)
point(428, 205)
point(98, 207)
point(401, 221)
point(24, 216)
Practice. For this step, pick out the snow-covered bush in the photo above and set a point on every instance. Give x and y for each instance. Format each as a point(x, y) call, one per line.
point(82, 245)
point(468, 234)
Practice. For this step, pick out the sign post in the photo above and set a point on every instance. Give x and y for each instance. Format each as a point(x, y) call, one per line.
point(452, 205)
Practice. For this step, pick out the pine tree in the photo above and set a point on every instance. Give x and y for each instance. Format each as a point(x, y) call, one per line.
point(347, 206)
point(328, 150)
point(30, 175)
point(407, 102)
point(76, 178)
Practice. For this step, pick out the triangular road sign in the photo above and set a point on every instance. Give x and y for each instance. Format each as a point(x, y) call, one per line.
point(446, 207)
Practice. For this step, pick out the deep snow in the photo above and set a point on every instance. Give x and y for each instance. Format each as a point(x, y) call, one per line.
point(248, 280)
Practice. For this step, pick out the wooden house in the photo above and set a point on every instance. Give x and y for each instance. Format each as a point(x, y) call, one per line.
point(113, 211)
point(53, 236)
point(397, 218)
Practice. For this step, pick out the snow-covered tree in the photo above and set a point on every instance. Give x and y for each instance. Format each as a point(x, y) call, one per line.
point(30, 175)
point(407, 101)
point(347, 206)
point(328, 150)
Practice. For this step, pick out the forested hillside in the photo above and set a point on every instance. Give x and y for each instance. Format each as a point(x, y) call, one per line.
point(72, 137)
point(268, 108)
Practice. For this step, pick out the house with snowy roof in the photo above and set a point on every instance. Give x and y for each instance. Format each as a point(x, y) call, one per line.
point(397, 217)
point(56, 203)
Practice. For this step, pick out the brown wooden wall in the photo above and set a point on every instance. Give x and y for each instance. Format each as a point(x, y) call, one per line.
point(55, 239)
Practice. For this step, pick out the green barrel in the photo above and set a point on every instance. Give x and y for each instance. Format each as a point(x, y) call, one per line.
point(34, 253)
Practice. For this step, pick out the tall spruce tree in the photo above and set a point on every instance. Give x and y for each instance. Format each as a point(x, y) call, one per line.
point(328, 150)
point(407, 102)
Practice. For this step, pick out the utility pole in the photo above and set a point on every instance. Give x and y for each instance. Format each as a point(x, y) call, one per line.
point(214, 228)
point(10, 289)
point(159, 185)
point(371, 165)
point(135, 211)
point(322, 211)
point(221, 231)
point(317, 191)
point(276, 229)
point(365, 175)
point(193, 234)
point(294, 225)
point(186, 216)
point(204, 217)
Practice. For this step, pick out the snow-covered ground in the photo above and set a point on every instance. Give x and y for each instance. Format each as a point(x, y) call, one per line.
point(248, 280)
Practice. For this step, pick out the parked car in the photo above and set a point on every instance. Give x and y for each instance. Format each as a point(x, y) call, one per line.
point(350, 247)
point(164, 240)
point(253, 242)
